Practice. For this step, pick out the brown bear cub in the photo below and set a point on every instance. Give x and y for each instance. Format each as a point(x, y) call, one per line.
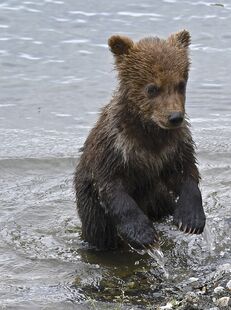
point(138, 162)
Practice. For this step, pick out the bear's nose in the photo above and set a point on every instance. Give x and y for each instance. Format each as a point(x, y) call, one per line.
point(176, 118)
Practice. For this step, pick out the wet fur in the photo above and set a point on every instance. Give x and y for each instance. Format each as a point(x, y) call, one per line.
point(131, 170)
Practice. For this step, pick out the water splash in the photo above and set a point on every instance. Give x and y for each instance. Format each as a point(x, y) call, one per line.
point(158, 256)
point(209, 238)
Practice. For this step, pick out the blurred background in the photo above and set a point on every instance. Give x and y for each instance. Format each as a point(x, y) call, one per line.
point(56, 74)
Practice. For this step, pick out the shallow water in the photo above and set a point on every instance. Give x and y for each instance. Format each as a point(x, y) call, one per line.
point(56, 73)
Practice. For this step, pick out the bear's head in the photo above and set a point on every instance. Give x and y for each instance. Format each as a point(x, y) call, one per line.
point(153, 74)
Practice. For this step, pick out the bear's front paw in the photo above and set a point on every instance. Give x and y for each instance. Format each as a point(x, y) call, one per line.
point(139, 234)
point(191, 220)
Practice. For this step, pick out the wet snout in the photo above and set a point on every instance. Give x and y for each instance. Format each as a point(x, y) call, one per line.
point(176, 118)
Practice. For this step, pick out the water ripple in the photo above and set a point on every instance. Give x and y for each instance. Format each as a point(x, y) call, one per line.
point(135, 14)
point(29, 57)
point(75, 41)
point(89, 14)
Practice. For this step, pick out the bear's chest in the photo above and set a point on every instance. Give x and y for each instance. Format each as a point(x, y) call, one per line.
point(151, 164)
point(143, 160)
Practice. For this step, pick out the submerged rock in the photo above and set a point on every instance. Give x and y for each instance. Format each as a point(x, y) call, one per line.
point(228, 285)
point(168, 306)
point(219, 289)
point(223, 302)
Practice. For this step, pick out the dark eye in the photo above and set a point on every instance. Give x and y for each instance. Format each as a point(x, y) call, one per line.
point(152, 90)
point(181, 87)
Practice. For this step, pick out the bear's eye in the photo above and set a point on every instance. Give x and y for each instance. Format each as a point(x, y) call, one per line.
point(181, 87)
point(152, 90)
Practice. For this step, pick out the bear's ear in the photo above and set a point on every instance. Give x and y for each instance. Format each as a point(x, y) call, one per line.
point(181, 39)
point(120, 45)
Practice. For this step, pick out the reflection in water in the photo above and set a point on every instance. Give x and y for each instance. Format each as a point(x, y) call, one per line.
point(55, 76)
point(125, 277)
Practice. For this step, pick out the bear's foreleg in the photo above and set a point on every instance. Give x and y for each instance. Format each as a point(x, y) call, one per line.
point(132, 224)
point(97, 227)
point(189, 215)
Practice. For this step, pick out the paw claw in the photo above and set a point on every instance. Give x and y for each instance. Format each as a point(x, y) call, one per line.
point(193, 232)
point(190, 226)
point(142, 236)
point(199, 231)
